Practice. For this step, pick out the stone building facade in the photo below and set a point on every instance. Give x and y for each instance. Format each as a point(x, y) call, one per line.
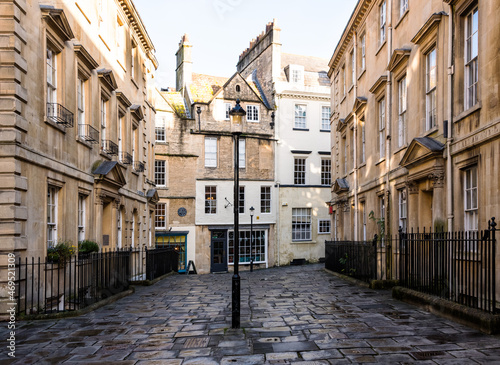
point(415, 106)
point(298, 88)
point(76, 126)
point(195, 169)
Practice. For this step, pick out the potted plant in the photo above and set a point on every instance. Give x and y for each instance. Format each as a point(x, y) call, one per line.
point(87, 247)
point(61, 252)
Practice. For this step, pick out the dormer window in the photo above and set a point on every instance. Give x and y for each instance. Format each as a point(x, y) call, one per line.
point(295, 74)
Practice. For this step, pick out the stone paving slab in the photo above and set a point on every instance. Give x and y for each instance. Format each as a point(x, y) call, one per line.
point(289, 315)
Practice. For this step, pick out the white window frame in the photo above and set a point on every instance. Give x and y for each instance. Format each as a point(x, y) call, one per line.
point(80, 97)
point(242, 153)
point(299, 170)
point(253, 113)
point(353, 67)
point(210, 199)
point(402, 124)
point(161, 212)
point(265, 199)
point(381, 127)
point(160, 173)
point(121, 128)
point(300, 121)
point(382, 22)
point(363, 142)
point(227, 109)
point(119, 220)
point(430, 89)
point(103, 118)
point(344, 140)
point(81, 217)
point(403, 7)
point(326, 171)
point(52, 212)
point(363, 52)
point(471, 201)
point(322, 224)
point(403, 209)
point(210, 151)
point(325, 118)
point(259, 246)
point(160, 125)
point(362, 207)
point(471, 65)
point(301, 224)
point(296, 76)
point(51, 61)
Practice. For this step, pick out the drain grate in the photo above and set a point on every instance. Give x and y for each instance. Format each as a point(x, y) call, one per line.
point(425, 355)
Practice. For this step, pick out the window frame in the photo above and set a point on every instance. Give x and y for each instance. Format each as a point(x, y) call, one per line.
point(403, 7)
point(363, 141)
point(301, 228)
point(52, 84)
point(320, 229)
point(381, 103)
point(81, 216)
point(325, 118)
point(52, 215)
point(431, 91)
point(160, 129)
point(241, 199)
point(242, 153)
point(471, 61)
point(210, 199)
point(403, 209)
point(160, 173)
point(211, 152)
point(265, 199)
point(326, 172)
point(471, 213)
point(253, 113)
point(160, 211)
point(382, 22)
point(299, 170)
point(402, 108)
point(300, 116)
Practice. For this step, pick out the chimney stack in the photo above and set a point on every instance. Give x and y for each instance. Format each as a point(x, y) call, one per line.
point(184, 68)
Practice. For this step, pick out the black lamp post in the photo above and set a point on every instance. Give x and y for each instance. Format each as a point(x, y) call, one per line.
point(198, 111)
point(236, 115)
point(251, 238)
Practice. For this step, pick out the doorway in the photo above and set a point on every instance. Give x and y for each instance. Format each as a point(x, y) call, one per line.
point(218, 251)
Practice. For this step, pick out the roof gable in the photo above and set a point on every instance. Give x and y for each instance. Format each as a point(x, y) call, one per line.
point(420, 150)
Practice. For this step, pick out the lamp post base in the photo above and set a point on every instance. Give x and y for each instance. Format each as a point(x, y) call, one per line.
point(236, 301)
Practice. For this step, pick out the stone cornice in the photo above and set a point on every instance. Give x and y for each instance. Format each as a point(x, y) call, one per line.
point(305, 97)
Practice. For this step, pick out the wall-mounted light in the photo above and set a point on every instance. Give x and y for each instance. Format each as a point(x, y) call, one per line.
point(198, 111)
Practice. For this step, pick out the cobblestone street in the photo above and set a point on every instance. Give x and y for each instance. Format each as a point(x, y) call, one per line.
point(290, 315)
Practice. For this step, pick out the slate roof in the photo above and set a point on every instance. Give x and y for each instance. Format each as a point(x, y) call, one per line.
point(105, 167)
point(430, 143)
point(315, 68)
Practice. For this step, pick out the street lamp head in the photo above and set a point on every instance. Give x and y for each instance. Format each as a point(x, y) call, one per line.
point(236, 115)
point(198, 110)
point(272, 120)
point(251, 211)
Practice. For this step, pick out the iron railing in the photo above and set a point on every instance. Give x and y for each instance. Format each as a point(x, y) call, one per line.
point(139, 166)
point(88, 133)
point(356, 259)
point(458, 266)
point(109, 147)
point(126, 158)
point(44, 287)
point(60, 115)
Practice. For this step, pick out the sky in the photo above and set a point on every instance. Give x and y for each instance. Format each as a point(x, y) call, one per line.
point(220, 30)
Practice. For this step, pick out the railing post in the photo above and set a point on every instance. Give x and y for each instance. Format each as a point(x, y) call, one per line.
point(375, 251)
point(492, 227)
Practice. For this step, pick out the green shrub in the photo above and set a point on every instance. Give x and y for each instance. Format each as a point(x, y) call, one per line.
point(61, 252)
point(87, 246)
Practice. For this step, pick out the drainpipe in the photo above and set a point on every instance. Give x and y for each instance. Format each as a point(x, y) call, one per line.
point(388, 116)
point(449, 140)
point(277, 240)
point(355, 138)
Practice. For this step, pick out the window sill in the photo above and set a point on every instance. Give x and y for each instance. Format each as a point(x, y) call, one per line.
point(468, 112)
point(362, 165)
point(380, 161)
point(135, 83)
point(350, 88)
point(55, 125)
point(161, 143)
point(401, 148)
point(161, 187)
point(301, 129)
point(380, 47)
point(361, 73)
point(325, 130)
point(306, 242)
point(402, 17)
point(86, 144)
point(343, 98)
point(431, 131)
point(136, 173)
point(105, 155)
point(323, 233)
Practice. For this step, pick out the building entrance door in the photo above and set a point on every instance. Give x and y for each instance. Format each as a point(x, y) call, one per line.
point(219, 251)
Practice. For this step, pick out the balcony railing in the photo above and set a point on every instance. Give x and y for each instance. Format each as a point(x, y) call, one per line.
point(139, 166)
point(60, 115)
point(126, 158)
point(109, 147)
point(88, 133)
